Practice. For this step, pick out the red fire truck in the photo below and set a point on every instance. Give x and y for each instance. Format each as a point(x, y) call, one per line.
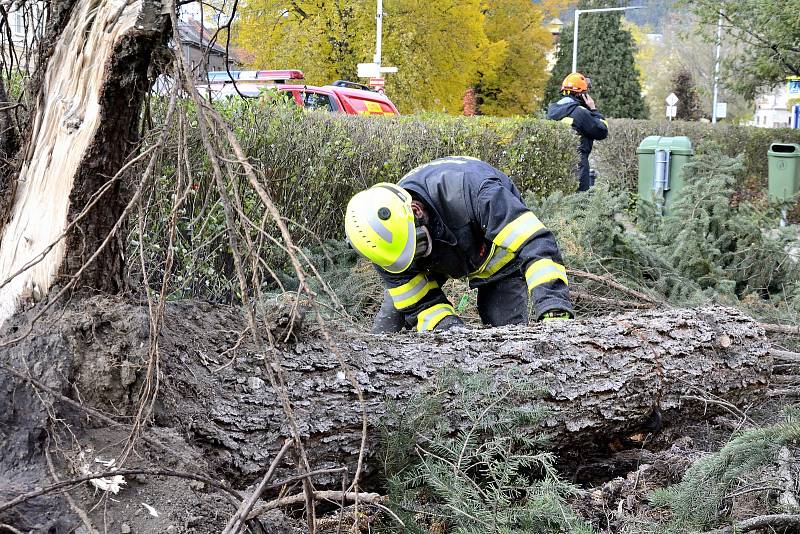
point(340, 96)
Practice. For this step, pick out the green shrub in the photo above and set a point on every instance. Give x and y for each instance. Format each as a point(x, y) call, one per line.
point(708, 249)
point(314, 162)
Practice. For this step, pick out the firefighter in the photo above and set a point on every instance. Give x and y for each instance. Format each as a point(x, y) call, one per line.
point(577, 108)
point(457, 217)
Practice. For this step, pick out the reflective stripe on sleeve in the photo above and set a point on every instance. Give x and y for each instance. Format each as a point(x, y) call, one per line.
point(429, 318)
point(604, 122)
point(515, 233)
point(542, 271)
point(412, 291)
point(568, 120)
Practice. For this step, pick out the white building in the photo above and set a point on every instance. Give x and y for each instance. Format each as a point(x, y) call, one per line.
point(26, 25)
point(773, 110)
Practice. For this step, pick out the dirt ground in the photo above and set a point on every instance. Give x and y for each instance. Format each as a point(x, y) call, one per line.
point(95, 351)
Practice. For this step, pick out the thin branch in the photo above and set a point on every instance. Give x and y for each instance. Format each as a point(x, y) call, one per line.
point(616, 285)
point(780, 329)
point(235, 523)
point(368, 498)
point(775, 522)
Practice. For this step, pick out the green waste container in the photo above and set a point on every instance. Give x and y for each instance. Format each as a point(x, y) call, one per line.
point(784, 170)
point(661, 161)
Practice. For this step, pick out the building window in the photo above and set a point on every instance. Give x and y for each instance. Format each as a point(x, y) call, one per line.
point(18, 22)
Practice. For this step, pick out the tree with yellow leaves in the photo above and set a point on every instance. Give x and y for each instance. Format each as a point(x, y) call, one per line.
point(325, 39)
point(513, 82)
point(440, 48)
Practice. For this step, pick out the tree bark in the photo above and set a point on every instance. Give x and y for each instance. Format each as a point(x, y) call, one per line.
point(92, 76)
point(601, 377)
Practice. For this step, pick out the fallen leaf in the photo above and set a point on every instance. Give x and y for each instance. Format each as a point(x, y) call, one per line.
point(152, 511)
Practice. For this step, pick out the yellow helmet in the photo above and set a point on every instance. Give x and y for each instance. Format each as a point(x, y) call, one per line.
point(379, 224)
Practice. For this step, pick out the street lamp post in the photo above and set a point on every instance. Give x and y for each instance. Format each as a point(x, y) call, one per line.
point(716, 71)
point(578, 12)
point(379, 31)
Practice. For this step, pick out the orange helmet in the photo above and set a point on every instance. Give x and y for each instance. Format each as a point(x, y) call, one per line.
point(576, 82)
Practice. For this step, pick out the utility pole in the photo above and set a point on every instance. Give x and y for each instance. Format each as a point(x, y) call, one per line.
point(379, 28)
point(716, 71)
point(579, 12)
point(374, 70)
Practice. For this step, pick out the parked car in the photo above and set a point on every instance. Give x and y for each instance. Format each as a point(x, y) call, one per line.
point(340, 96)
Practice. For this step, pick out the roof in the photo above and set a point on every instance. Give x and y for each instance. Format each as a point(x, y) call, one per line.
point(195, 33)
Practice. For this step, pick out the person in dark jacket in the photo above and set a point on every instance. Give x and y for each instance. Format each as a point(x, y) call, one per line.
point(577, 108)
point(457, 217)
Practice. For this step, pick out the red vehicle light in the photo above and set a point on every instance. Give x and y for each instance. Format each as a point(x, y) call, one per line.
point(279, 75)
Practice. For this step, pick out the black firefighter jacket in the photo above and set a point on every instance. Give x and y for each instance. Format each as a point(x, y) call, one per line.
point(590, 125)
point(482, 230)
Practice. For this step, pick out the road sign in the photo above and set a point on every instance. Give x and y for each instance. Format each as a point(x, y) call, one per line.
point(793, 85)
point(368, 70)
point(672, 111)
point(672, 99)
point(722, 110)
point(377, 83)
point(389, 69)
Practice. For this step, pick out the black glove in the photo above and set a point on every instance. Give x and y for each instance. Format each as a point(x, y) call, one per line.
point(451, 321)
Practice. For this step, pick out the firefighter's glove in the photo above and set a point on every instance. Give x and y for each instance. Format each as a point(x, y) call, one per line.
point(449, 322)
point(555, 315)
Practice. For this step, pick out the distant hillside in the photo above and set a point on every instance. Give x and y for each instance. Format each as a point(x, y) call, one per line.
point(654, 14)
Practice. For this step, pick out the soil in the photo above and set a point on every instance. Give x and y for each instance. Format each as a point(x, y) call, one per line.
point(104, 372)
point(94, 351)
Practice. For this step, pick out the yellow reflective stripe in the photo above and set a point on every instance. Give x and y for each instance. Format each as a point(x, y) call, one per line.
point(429, 318)
point(518, 231)
point(498, 258)
point(568, 120)
point(604, 122)
point(542, 271)
point(412, 291)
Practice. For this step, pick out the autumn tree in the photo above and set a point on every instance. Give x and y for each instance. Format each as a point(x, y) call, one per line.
point(437, 46)
point(765, 35)
point(324, 39)
point(512, 82)
point(606, 55)
point(688, 107)
point(682, 47)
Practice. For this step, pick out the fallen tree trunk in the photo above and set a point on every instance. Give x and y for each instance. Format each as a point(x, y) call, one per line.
point(601, 377)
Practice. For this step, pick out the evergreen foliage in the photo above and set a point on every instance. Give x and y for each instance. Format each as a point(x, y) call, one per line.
point(689, 107)
point(707, 249)
point(605, 54)
point(493, 476)
point(703, 496)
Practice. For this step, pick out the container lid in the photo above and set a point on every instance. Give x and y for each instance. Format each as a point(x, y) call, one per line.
point(680, 145)
point(648, 145)
point(784, 150)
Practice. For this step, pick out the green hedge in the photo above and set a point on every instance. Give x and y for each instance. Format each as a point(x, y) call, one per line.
point(314, 162)
point(616, 161)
